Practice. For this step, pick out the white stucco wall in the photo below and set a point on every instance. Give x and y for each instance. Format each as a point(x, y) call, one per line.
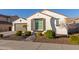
point(62, 29)
point(59, 29)
point(39, 15)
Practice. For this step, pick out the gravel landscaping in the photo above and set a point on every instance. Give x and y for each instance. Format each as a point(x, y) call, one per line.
point(72, 39)
point(61, 40)
point(18, 35)
point(42, 38)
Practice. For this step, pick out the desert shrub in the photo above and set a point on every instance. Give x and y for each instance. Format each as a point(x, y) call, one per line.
point(19, 33)
point(38, 34)
point(27, 33)
point(74, 39)
point(1, 35)
point(49, 34)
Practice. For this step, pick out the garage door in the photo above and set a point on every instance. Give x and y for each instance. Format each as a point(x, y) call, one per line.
point(19, 27)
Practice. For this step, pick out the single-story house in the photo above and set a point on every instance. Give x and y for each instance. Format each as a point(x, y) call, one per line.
point(43, 21)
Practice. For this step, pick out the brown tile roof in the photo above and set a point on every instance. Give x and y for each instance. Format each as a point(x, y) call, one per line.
point(8, 16)
point(4, 22)
point(76, 19)
point(55, 12)
point(3, 15)
point(46, 14)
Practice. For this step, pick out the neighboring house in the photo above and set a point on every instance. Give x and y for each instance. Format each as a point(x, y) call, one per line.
point(5, 26)
point(69, 21)
point(43, 21)
point(76, 20)
point(72, 25)
point(6, 22)
point(8, 18)
point(76, 23)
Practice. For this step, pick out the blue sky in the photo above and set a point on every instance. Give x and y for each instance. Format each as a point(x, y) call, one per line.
point(28, 12)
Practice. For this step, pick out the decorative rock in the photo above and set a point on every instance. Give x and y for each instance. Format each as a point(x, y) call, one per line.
point(32, 37)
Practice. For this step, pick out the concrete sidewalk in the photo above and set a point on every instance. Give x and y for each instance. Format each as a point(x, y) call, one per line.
point(27, 45)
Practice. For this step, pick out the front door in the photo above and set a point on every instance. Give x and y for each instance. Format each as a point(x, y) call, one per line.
point(39, 25)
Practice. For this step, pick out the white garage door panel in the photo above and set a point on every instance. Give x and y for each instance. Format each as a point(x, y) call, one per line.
point(19, 27)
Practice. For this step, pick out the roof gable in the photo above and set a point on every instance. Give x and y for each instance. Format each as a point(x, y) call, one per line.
point(20, 20)
point(51, 13)
point(38, 14)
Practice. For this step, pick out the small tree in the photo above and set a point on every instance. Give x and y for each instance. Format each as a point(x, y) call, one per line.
point(25, 26)
point(49, 34)
point(19, 33)
point(27, 33)
point(38, 34)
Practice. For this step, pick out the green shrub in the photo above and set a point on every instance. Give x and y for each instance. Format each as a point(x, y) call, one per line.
point(1, 35)
point(38, 34)
point(74, 39)
point(27, 33)
point(49, 34)
point(19, 33)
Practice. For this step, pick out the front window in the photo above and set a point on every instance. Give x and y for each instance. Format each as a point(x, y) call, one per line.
point(39, 24)
point(57, 22)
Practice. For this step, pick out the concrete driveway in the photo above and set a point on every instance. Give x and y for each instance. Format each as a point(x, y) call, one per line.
point(28, 45)
point(8, 33)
